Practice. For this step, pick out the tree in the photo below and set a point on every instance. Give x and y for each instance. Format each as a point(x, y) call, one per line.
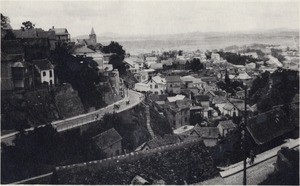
point(196, 65)
point(118, 56)
point(27, 25)
point(227, 79)
point(4, 20)
point(180, 52)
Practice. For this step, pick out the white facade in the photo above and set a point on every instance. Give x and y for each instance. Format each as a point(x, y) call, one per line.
point(47, 76)
point(215, 57)
point(155, 85)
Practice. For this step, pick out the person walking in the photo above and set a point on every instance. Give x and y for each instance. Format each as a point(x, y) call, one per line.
point(252, 157)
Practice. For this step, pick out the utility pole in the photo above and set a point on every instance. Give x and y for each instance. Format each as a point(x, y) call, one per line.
point(244, 138)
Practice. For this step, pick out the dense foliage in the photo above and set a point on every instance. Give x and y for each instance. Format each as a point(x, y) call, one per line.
point(279, 88)
point(236, 59)
point(27, 25)
point(39, 151)
point(277, 53)
point(118, 56)
point(82, 76)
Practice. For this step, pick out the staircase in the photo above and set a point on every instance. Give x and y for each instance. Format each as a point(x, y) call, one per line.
point(148, 121)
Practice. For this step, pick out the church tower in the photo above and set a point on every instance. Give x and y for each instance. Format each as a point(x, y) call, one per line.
point(93, 36)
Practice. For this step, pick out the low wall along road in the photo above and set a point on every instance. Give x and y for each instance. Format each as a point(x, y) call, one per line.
point(134, 99)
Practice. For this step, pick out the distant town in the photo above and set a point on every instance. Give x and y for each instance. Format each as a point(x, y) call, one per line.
point(75, 111)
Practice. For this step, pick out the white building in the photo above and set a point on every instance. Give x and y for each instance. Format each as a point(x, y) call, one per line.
point(156, 85)
point(45, 70)
point(215, 57)
point(132, 65)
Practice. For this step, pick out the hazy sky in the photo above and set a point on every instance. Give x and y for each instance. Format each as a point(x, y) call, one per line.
point(158, 17)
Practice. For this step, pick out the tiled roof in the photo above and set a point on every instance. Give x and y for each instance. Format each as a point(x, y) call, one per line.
point(175, 98)
point(79, 50)
point(227, 124)
point(107, 138)
point(30, 33)
point(34, 33)
point(269, 125)
point(171, 79)
point(60, 31)
point(43, 64)
point(207, 132)
point(202, 98)
point(159, 80)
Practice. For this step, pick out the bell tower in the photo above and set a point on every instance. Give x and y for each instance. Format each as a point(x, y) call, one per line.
point(93, 36)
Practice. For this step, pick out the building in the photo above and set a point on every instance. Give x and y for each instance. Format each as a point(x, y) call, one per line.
point(109, 142)
point(131, 65)
point(45, 70)
point(155, 85)
point(91, 42)
point(178, 111)
point(209, 135)
point(61, 35)
point(16, 73)
point(215, 57)
point(204, 102)
point(144, 75)
point(230, 109)
point(268, 126)
point(173, 84)
point(192, 82)
point(225, 127)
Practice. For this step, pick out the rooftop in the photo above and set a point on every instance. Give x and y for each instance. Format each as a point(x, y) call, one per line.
point(207, 132)
point(60, 31)
point(171, 79)
point(269, 125)
point(107, 138)
point(227, 124)
point(43, 64)
point(183, 129)
point(175, 98)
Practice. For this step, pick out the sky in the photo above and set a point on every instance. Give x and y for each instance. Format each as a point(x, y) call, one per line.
point(153, 17)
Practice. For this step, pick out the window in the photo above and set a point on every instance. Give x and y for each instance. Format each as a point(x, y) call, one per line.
point(174, 123)
point(44, 73)
point(51, 83)
point(50, 73)
point(150, 86)
point(171, 85)
point(156, 92)
point(156, 86)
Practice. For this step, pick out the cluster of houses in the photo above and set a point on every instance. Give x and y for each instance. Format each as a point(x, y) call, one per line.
point(26, 58)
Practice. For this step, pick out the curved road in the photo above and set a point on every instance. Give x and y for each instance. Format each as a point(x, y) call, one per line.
point(62, 125)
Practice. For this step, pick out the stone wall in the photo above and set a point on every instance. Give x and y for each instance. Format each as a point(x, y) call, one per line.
point(186, 161)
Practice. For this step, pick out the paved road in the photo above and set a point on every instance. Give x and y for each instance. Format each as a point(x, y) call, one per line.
point(62, 125)
point(255, 175)
point(258, 172)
